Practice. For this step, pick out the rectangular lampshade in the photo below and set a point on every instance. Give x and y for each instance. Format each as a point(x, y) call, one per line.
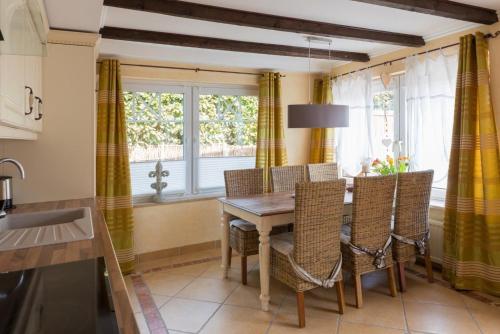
point(318, 116)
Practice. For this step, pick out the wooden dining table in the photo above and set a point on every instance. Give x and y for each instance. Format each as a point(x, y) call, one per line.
point(265, 211)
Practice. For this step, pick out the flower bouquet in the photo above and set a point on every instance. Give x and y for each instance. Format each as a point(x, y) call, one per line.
point(389, 166)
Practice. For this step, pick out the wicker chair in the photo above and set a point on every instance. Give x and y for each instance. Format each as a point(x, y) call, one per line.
point(314, 245)
point(411, 221)
point(322, 172)
point(284, 178)
point(370, 231)
point(243, 236)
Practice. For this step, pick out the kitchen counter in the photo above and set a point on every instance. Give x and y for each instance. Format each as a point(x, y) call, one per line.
point(100, 245)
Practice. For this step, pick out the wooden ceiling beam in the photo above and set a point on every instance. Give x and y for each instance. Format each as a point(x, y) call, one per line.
point(227, 45)
point(444, 8)
point(265, 21)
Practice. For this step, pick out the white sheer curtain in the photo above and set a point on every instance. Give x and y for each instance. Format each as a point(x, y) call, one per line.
point(430, 99)
point(354, 144)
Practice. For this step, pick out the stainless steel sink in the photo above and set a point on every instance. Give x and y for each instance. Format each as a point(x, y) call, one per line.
point(25, 230)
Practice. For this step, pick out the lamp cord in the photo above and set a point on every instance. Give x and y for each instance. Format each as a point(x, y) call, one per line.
point(310, 80)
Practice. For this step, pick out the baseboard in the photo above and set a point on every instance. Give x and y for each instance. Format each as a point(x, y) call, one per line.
point(435, 265)
point(176, 251)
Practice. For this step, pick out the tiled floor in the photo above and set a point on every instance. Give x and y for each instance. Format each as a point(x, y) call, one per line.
point(194, 299)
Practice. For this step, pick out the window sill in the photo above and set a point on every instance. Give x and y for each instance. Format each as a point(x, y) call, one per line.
point(437, 203)
point(145, 201)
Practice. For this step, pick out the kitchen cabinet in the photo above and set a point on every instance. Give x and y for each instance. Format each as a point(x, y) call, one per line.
point(24, 28)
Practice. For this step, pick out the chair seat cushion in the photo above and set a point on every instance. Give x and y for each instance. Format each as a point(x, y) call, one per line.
point(345, 234)
point(282, 243)
point(243, 225)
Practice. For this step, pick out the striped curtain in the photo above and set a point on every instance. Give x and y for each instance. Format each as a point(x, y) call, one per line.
point(271, 148)
point(322, 140)
point(112, 164)
point(471, 258)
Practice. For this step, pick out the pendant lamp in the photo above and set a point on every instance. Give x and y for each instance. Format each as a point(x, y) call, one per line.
point(314, 115)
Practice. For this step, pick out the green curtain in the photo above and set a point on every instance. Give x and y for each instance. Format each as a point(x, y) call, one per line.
point(471, 258)
point(112, 164)
point(322, 140)
point(271, 147)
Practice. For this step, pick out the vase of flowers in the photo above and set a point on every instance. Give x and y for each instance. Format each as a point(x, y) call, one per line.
point(389, 166)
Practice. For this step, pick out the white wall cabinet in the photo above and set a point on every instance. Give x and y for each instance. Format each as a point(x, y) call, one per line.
point(22, 23)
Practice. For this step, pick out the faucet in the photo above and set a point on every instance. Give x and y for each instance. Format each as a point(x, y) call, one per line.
point(5, 185)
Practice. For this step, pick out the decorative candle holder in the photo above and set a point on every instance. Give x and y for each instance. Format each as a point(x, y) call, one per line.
point(159, 185)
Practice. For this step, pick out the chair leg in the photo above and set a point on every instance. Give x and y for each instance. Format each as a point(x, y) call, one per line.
point(358, 291)
point(428, 266)
point(401, 276)
point(244, 270)
point(339, 285)
point(229, 256)
point(301, 309)
point(392, 281)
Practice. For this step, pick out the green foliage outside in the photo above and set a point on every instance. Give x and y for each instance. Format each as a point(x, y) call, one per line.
point(384, 101)
point(146, 126)
point(228, 124)
point(228, 119)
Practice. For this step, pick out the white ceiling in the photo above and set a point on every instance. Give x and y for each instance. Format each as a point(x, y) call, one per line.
point(90, 15)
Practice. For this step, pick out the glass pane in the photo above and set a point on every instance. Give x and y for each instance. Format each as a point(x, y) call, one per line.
point(155, 131)
point(228, 136)
point(383, 119)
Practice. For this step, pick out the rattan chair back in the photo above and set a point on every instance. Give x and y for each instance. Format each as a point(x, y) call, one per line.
point(322, 172)
point(318, 220)
point(412, 209)
point(372, 203)
point(284, 178)
point(244, 182)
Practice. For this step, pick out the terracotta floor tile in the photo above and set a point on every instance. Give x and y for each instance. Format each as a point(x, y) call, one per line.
point(421, 290)
point(198, 289)
point(208, 289)
point(187, 315)
point(285, 323)
point(353, 328)
point(166, 284)
point(487, 316)
point(160, 300)
point(194, 270)
point(249, 296)
point(240, 320)
point(378, 309)
point(433, 318)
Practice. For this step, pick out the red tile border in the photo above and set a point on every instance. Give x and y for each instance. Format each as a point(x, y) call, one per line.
point(151, 313)
point(178, 265)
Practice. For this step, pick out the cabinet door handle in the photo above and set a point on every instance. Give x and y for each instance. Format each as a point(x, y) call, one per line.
point(30, 100)
point(39, 108)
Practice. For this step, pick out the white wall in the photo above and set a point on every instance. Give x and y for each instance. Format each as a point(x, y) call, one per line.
point(60, 164)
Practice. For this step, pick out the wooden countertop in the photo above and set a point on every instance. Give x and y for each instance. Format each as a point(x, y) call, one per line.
point(100, 245)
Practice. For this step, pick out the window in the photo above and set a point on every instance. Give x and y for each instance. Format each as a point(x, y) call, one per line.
point(385, 118)
point(410, 116)
point(417, 125)
point(228, 135)
point(197, 133)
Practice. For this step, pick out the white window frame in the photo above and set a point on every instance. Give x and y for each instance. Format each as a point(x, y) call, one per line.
point(438, 195)
point(191, 117)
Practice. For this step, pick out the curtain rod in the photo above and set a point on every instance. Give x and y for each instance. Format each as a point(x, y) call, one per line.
point(492, 35)
point(195, 69)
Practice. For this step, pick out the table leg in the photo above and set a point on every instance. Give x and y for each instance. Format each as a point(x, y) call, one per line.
point(224, 225)
point(264, 263)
